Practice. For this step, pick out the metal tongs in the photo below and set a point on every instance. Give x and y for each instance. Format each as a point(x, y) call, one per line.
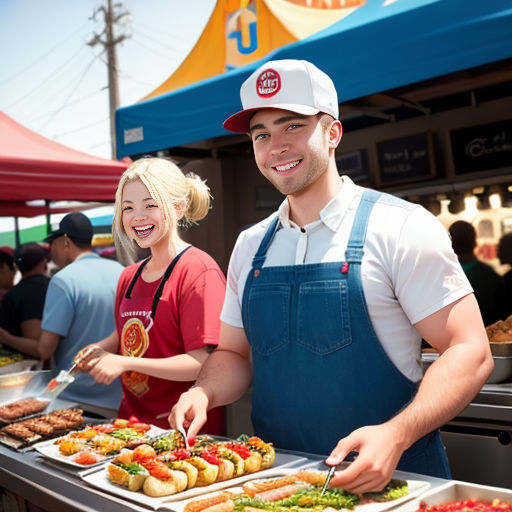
point(332, 469)
point(181, 430)
point(65, 377)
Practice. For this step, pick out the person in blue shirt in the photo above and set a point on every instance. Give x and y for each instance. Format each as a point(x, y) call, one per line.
point(78, 310)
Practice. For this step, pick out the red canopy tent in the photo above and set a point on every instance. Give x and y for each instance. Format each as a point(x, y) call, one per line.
point(33, 167)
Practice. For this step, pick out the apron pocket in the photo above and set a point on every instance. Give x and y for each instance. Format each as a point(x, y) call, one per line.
point(323, 321)
point(267, 318)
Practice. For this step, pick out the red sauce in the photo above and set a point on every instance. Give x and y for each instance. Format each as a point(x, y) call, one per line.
point(468, 506)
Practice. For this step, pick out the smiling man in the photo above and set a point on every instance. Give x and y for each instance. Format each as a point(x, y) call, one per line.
point(328, 300)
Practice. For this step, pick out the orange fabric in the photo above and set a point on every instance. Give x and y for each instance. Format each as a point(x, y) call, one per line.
point(215, 52)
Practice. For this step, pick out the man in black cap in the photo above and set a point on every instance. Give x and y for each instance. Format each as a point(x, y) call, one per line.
point(22, 307)
point(7, 270)
point(79, 307)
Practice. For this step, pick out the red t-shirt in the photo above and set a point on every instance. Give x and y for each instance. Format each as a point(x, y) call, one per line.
point(186, 318)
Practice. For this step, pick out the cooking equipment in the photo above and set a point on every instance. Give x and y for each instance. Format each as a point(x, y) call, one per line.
point(457, 491)
point(484, 430)
point(57, 385)
point(502, 348)
point(22, 384)
point(502, 367)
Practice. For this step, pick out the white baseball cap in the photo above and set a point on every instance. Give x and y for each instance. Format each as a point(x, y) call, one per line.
point(289, 84)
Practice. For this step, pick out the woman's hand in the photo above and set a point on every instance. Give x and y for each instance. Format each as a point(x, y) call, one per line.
point(107, 367)
point(86, 356)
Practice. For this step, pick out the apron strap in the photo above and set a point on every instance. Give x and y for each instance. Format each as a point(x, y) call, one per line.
point(167, 274)
point(128, 294)
point(354, 252)
point(160, 288)
point(261, 254)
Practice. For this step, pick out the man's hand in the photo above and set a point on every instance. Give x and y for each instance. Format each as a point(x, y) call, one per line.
point(107, 367)
point(190, 410)
point(379, 448)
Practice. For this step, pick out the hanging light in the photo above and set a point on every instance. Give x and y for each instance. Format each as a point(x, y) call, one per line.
point(432, 204)
point(482, 198)
point(456, 204)
point(506, 196)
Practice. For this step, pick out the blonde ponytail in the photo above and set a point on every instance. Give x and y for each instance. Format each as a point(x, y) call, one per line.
point(199, 198)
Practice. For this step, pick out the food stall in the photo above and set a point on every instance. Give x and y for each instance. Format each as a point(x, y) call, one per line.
point(40, 471)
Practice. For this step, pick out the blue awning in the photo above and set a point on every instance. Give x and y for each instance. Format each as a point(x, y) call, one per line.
point(383, 45)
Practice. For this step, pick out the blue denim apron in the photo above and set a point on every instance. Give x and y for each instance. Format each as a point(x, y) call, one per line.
point(320, 371)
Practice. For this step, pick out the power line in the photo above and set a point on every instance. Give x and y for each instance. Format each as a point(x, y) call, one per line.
point(181, 52)
point(78, 100)
point(151, 50)
point(94, 146)
point(57, 93)
point(90, 125)
point(79, 82)
point(136, 80)
point(45, 80)
point(42, 57)
point(158, 30)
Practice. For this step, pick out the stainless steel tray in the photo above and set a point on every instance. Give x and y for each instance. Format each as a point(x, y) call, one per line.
point(456, 490)
point(502, 368)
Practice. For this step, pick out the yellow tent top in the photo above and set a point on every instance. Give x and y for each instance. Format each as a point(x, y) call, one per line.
point(243, 31)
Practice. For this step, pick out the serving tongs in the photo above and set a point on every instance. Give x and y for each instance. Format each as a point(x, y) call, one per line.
point(65, 377)
point(181, 430)
point(330, 474)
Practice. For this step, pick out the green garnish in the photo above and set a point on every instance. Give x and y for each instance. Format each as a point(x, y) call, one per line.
point(134, 468)
point(303, 499)
point(394, 490)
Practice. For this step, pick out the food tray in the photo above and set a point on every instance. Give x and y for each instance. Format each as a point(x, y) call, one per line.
point(27, 443)
point(416, 488)
point(7, 421)
point(50, 450)
point(501, 348)
point(18, 366)
point(99, 479)
point(455, 490)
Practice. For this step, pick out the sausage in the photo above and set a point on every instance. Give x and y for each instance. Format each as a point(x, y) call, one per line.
point(280, 492)
point(200, 505)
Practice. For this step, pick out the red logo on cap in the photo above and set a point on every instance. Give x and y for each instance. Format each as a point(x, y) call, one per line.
point(268, 83)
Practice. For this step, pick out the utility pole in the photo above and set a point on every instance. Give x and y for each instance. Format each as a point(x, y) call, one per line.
point(109, 40)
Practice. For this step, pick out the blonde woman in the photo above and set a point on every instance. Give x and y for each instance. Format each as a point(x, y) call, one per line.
point(167, 306)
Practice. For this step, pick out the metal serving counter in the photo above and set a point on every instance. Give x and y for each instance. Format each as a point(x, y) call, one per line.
point(479, 440)
point(56, 488)
point(52, 488)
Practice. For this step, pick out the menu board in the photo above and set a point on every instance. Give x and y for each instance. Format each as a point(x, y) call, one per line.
point(409, 158)
point(482, 147)
point(354, 165)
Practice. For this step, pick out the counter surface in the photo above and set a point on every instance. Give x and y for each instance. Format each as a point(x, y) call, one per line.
point(52, 488)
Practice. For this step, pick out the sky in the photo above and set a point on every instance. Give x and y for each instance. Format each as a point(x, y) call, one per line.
point(52, 82)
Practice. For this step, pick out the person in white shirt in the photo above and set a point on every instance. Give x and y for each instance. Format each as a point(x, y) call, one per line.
point(328, 300)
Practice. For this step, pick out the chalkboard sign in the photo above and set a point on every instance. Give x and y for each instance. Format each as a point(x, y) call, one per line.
point(405, 159)
point(354, 165)
point(267, 198)
point(478, 148)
